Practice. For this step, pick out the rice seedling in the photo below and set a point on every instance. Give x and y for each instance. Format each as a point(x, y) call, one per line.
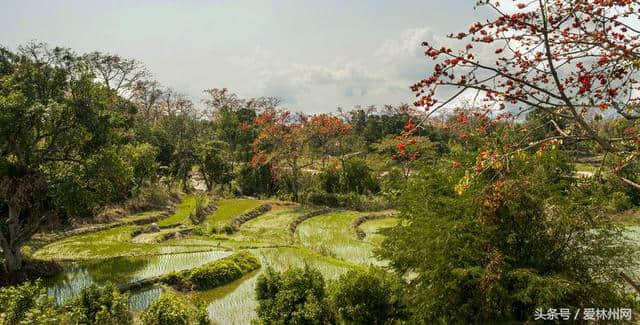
point(372, 229)
point(272, 227)
point(227, 209)
point(331, 234)
point(183, 210)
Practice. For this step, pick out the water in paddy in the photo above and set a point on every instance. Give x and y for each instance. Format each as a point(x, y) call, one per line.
point(77, 276)
point(235, 302)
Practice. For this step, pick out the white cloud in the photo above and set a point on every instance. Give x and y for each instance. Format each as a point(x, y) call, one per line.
point(379, 76)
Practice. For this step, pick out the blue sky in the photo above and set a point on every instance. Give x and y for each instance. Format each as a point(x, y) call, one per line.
point(315, 55)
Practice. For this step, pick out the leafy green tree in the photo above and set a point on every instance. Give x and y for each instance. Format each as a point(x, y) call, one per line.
point(296, 296)
point(101, 305)
point(256, 180)
point(356, 177)
point(28, 303)
point(214, 165)
point(53, 119)
point(368, 297)
point(171, 309)
point(496, 245)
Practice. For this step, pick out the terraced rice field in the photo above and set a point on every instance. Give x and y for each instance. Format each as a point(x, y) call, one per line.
point(183, 210)
point(372, 229)
point(331, 234)
point(326, 242)
point(226, 210)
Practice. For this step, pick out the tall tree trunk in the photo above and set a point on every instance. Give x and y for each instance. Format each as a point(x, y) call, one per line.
point(294, 180)
point(10, 242)
point(12, 259)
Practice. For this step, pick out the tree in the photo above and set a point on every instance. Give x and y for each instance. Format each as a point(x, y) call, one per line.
point(565, 60)
point(214, 164)
point(101, 305)
point(117, 73)
point(501, 242)
point(233, 119)
point(171, 309)
point(53, 117)
point(368, 297)
point(296, 296)
point(326, 133)
point(182, 128)
point(406, 149)
point(282, 141)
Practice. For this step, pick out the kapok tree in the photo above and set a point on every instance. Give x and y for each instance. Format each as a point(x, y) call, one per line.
point(326, 133)
point(565, 60)
point(282, 141)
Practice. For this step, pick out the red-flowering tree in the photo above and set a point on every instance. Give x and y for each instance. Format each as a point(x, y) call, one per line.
point(565, 60)
point(281, 142)
point(327, 134)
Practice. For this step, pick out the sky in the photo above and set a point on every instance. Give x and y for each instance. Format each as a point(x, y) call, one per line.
point(314, 55)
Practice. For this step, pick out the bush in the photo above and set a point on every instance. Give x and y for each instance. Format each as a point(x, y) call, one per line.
point(494, 248)
point(330, 180)
point(149, 197)
point(350, 201)
point(256, 180)
point(170, 309)
point(356, 177)
point(619, 202)
point(101, 305)
point(203, 208)
point(368, 297)
point(214, 274)
point(29, 304)
point(296, 296)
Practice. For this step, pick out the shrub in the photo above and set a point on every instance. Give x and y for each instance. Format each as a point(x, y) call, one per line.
point(201, 210)
point(330, 180)
point(296, 296)
point(101, 305)
point(149, 197)
point(368, 297)
point(619, 202)
point(493, 249)
point(29, 304)
point(214, 274)
point(256, 180)
point(356, 177)
point(349, 200)
point(322, 198)
point(170, 309)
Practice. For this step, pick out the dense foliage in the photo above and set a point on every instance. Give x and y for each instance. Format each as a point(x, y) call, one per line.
point(502, 244)
point(297, 296)
point(368, 297)
point(300, 296)
point(171, 309)
point(30, 304)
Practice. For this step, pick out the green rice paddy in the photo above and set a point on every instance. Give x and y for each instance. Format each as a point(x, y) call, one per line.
point(326, 242)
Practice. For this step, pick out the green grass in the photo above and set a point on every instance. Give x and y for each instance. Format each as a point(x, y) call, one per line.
point(227, 209)
point(183, 210)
